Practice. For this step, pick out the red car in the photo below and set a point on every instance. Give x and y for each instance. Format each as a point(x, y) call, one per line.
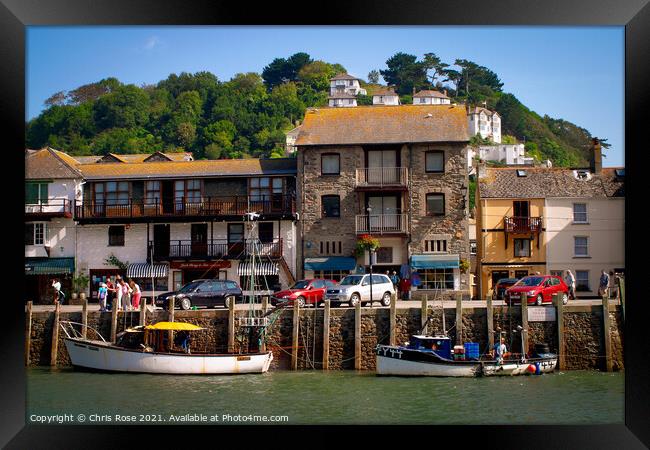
point(539, 289)
point(304, 292)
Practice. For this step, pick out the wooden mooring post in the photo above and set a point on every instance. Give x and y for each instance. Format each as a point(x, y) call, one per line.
point(459, 318)
point(265, 308)
point(55, 335)
point(114, 308)
point(561, 361)
point(143, 311)
point(357, 336)
point(393, 320)
point(84, 319)
point(621, 295)
point(231, 327)
point(490, 322)
point(294, 336)
point(326, 335)
point(524, 324)
point(28, 332)
point(423, 313)
point(606, 334)
point(170, 318)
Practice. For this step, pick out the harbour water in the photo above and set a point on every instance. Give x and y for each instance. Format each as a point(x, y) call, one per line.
point(334, 397)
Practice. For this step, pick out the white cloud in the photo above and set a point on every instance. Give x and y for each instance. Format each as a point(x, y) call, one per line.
point(151, 43)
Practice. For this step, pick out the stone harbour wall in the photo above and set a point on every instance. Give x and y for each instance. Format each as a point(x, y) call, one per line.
point(584, 340)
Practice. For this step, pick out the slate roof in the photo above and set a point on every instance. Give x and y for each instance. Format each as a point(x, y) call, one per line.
point(343, 76)
point(549, 182)
point(195, 169)
point(430, 93)
point(384, 125)
point(479, 109)
point(50, 164)
point(385, 91)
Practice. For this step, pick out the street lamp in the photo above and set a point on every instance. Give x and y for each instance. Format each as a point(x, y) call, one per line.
point(463, 191)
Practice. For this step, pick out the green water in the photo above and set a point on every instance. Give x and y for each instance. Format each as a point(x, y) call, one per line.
point(314, 397)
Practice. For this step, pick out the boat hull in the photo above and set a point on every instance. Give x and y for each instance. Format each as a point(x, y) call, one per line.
point(106, 357)
point(534, 366)
point(403, 362)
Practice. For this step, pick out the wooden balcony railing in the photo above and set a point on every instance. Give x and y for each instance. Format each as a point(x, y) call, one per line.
point(213, 249)
point(522, 224)
point(382, 176)
point(203, 207)
point(382, 223)
point(60, 207)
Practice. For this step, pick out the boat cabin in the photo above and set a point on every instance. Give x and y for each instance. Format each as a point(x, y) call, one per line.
point(440, 345)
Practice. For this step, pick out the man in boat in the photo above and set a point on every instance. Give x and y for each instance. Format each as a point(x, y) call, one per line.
point(183, 340)
point(500, 350)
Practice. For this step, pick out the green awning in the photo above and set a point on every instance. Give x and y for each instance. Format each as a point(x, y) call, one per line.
point(435, 262)
point(331, 263)
point(49, 266)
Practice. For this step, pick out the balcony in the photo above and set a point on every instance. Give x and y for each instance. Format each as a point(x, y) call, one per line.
point(213, 249)
point(52, 208)
point(382, 177)
point(382, 224)
point(138, 210)
point(522, 225)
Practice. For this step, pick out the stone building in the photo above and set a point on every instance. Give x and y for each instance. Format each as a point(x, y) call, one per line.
point(397, 173)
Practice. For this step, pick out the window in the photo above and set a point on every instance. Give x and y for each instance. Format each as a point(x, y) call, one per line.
point(330, 164)
point(235, 232)
point(331, 205)
point(435, 161)
point(177, 279)
point(264, 188)
point(336, 275)
point(36, 193)
point(330, 247)
point(161, 284)
point(582, 280)
point(117, 192)
point(152, 192)
point(435, 246)
point(385, 255)
point(519, 274)
point(580, 212)
point(116, 236)
point(522, 247)
point(580, 246)
point(265, 231)
point(437, 278)
point(435, 204)
point(35, 233)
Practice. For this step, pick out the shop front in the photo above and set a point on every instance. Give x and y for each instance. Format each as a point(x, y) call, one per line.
point(435, 272)
point(329, 268)
point(40, 272)
point(262, 277)
point(182, 272)
point(153, 279)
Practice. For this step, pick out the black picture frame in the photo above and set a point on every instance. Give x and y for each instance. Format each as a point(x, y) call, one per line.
point(15, 15)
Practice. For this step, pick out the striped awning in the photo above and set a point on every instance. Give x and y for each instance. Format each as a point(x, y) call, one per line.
point(49, 266)
point(147, 270)
point(261, 268)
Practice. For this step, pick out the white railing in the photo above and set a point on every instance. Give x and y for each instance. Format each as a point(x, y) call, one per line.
point(382, 176)
point(382, 223)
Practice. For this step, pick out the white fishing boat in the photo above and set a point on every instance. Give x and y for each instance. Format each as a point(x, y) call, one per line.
point(137, 351)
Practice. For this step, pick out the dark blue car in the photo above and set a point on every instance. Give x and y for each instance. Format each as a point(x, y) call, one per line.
point(208, 293)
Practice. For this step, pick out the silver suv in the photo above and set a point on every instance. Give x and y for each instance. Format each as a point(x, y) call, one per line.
point(356, 288)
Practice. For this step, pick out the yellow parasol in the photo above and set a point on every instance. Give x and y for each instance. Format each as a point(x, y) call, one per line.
point(178, 326)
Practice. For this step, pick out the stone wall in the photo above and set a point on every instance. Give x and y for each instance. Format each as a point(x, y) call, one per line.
point(583, 324)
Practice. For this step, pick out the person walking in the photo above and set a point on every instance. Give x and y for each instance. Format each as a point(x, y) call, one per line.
point(102, 294)
point(118, 293)
point(395, 279)
point(570, 281)
point(603, 289)
point(135, 299)
point(59, 295)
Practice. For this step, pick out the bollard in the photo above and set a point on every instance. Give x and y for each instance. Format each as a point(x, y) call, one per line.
point(326, 335)
point(28, 332)
point(231, 327)
point(294, 336)
point(84, 319)
point(524, 324)
point(459, 318)
point(561, 361)
point(606, 334)
point(393, 319)
point(490, 322)
point(357, 336)
point(423, 313)
point(55, 335)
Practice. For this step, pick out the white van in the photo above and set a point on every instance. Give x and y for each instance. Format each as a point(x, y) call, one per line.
point(356, 288)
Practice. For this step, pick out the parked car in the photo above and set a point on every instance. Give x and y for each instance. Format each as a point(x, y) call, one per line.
point(303, 292)
point(501, 286)
point(209, 293)
point(356, 288)
point(539, 289)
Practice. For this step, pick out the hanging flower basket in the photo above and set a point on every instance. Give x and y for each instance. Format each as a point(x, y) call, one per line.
point(464, 265)
point(366, 243)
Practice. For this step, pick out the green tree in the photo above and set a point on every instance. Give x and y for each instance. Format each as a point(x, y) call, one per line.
point(406, 73)
point(125, 107)
point(373, 76)
point(435, 68)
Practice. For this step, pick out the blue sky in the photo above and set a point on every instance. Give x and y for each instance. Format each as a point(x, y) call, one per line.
point(573, 73)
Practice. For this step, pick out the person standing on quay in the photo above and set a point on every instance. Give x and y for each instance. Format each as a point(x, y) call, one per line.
point(604, 284)
point(102, 293)
point(59, 296)
point(126, 301)
point(570, 280)
point(395, 279)
point(118, 292)
point(135, 299)
point(111, 293)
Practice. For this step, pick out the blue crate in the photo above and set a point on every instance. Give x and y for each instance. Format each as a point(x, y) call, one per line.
point(471, 350)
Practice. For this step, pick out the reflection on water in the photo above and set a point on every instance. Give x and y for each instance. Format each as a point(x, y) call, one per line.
point(313, 397)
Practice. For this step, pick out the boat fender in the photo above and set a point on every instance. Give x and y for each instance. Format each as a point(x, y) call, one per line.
point(538, 368)
point(530, 368)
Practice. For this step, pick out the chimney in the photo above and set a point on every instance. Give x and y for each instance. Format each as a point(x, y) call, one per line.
point(596, 157)
point(413, 90)
point(445, 92)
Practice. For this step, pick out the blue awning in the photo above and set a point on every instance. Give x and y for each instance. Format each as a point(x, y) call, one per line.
point(331, 263)
point(49, 266)
point(435, 262)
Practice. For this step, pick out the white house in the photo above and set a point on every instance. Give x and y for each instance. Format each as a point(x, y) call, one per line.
point(345, 84)
point(385, 96)
point(342, 100)
point(485, 122)
point(290, 147)
point(431, 97)
point(510, 154)
point(52, 184)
